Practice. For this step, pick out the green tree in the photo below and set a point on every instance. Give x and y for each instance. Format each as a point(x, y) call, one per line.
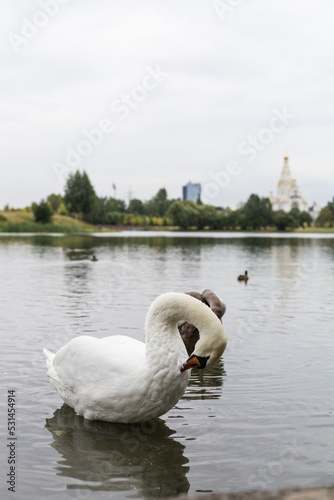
point(115, 205)
point(330, 205)
point(55, 200)
point(98, 212)
point(283, 220)
point(295, 214)
point(42, 211)
point(159, 204)
point(114, 218)
point(305, 219)
point(183, 214)
point(79, 194)
point(62, 210)
point(206, 216)
point(136, 207)
point(325, 218)
point(257, 212)
point(243, 221)
point(300, 218)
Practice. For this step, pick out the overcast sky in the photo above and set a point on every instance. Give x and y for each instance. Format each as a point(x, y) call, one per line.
point(149, 94)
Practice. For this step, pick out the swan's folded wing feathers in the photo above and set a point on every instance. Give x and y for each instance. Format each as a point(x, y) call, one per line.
point(86, 360)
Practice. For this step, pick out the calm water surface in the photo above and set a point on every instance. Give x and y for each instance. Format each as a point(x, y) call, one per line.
point(261, 418)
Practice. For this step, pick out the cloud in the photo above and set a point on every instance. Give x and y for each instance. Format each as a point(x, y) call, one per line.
point(225, 79)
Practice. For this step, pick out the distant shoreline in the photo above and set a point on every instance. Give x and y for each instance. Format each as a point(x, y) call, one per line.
point(23, 222)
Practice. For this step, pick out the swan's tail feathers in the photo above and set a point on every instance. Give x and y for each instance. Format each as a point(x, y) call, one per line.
point(49, 358)
point(51, 369)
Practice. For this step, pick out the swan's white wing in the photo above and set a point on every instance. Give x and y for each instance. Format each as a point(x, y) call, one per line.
point(102, 378)
point(129, 342)
point(86, 361)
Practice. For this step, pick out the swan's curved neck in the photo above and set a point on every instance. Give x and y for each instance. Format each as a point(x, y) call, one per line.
point(162, 335)
point(167, 310)
point(165, 351)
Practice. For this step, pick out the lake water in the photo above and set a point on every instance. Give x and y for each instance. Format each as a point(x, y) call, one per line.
point(261, 418)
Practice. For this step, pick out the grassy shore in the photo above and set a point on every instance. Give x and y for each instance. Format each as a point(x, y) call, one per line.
point(23, 222)
point(20, 221)
point(314, 229)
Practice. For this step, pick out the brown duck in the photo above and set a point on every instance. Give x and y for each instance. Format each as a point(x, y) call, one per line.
point(243, 277)
point(189, 332)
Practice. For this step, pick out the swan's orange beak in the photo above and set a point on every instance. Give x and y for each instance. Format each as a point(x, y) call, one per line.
point(191, 363)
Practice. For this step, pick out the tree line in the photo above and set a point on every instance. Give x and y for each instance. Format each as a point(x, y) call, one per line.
point(81, 201)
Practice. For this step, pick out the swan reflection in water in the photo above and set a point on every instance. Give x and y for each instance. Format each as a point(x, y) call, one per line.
point(141, 458)
point(206, 385)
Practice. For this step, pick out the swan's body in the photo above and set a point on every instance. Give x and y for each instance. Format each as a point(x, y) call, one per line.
point(120, 379)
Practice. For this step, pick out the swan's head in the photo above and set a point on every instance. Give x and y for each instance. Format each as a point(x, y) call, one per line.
point(170, 308)
point(208, 349)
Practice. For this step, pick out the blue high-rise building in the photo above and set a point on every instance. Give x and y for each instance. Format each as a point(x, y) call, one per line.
point(191, 192)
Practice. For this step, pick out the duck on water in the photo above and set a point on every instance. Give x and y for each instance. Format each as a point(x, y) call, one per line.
point(243, 277)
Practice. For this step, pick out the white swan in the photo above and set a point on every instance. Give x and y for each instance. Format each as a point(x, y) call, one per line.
point(120, 379)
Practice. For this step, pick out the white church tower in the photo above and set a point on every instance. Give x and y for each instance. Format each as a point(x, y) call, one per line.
point(288, 194)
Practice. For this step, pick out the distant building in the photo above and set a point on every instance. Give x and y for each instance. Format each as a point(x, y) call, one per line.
point(289, 195)
point(191, 192)
point(315, 210)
